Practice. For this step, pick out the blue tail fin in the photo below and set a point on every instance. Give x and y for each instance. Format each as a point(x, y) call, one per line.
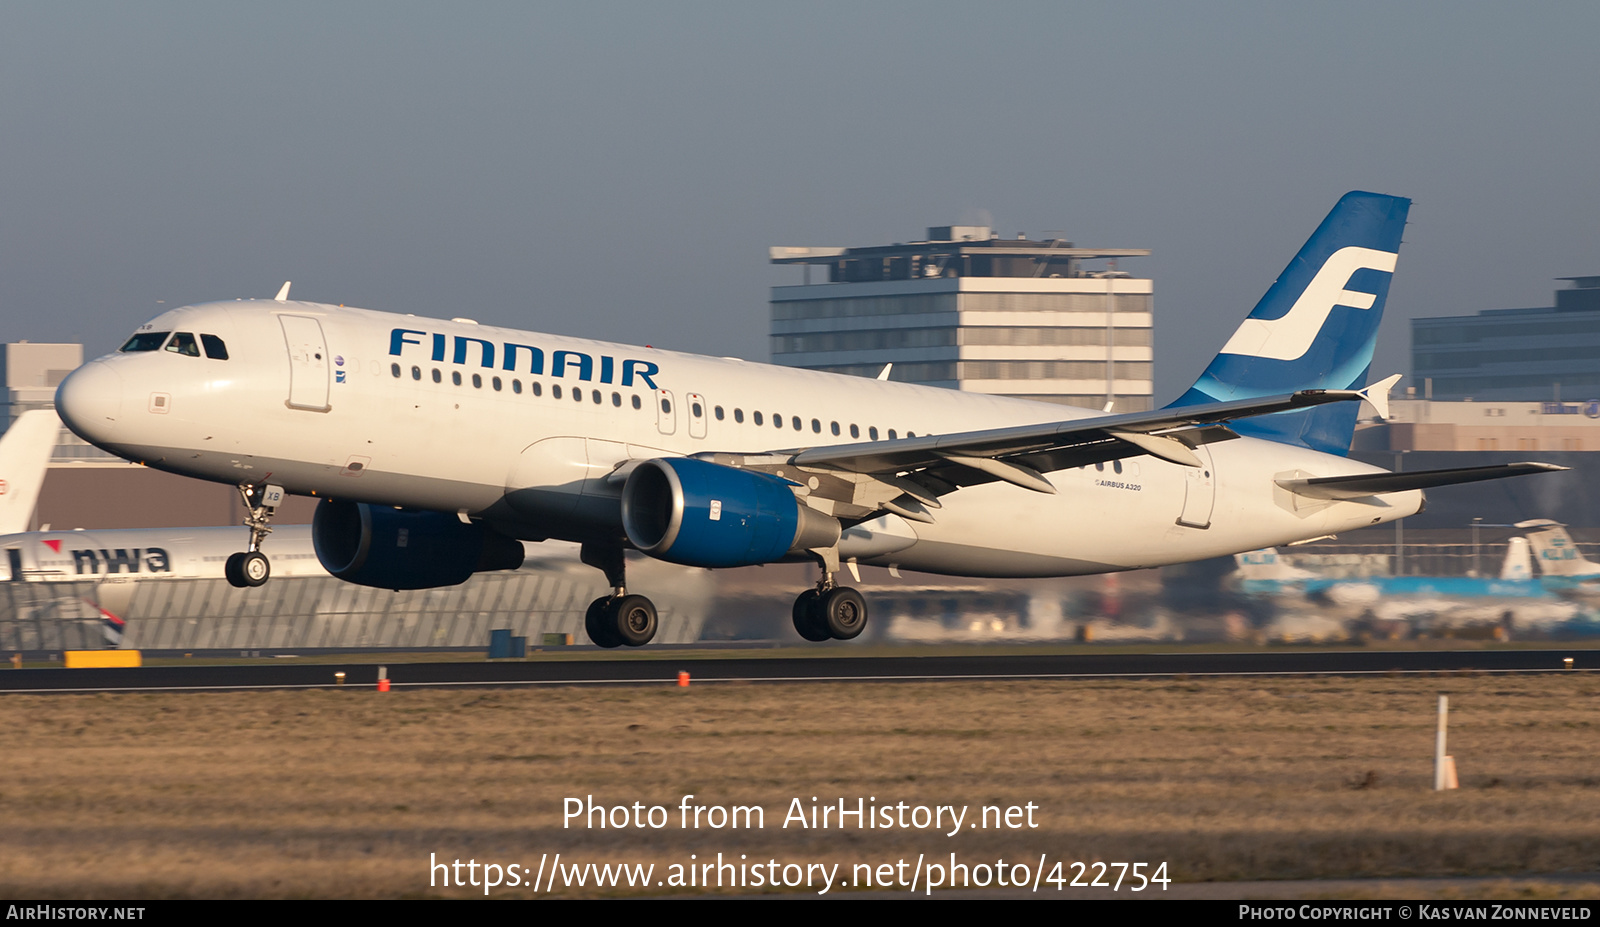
point(1315, 328)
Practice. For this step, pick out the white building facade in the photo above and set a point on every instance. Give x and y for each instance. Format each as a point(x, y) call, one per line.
point(966, 310)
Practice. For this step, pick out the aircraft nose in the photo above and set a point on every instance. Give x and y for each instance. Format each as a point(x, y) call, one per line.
point(89, 401)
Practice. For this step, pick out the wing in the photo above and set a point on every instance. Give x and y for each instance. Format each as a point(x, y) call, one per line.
point(907, 476)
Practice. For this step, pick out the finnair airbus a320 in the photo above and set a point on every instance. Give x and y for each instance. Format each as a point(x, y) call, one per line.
point(436, 445)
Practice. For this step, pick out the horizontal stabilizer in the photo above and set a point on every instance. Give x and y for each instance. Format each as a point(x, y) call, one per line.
point(1372, 484)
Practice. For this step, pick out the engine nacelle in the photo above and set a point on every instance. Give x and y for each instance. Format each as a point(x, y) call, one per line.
point(707, 515)
point(375, 545)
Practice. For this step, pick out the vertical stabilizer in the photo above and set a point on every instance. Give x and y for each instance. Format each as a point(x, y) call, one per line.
point(24, 456)
point(1519, 562)
point(1554, 550)
point(1267, 565)
point(1315, 328)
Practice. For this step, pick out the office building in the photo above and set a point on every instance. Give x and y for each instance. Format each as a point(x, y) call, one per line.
point(965, 309)
point(1513, 355)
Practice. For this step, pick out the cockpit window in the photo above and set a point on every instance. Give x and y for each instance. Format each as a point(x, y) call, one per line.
point(144, 341)
point(215, 349)
point(184, 343)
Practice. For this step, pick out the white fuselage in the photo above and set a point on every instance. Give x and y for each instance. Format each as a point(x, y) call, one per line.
point(128, 554)
point(359, 416)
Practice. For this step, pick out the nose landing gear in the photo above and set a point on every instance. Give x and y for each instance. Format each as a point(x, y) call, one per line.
point(251, 568)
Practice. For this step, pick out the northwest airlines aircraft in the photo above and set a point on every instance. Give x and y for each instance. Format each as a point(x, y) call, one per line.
point(435, 445)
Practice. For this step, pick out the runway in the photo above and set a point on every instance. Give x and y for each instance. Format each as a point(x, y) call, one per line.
point(664, 670)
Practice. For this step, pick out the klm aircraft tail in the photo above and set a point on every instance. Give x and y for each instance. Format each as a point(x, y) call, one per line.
point(1555, 551)
point(1315, 328)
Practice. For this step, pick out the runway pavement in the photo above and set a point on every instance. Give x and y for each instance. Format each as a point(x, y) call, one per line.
point(665, 670)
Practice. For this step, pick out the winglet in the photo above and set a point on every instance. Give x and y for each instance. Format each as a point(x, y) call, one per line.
point(884, 375)
point(283, 294)
point(1377, 395)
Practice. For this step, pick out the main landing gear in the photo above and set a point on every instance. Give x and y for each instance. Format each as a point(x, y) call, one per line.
point(829, 611)
point(250, 568)
point(619, 618)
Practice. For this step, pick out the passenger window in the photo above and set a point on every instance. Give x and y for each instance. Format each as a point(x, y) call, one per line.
point(636, 403)
point(695, 410)
point(855, 432)
point(891, 434)
point(755, 417)
point(577, 394)
point(616, 400)
point(738, 416)
point(717, 412)
point(455, 377)
point(666, 405)
point(477, 382)
point(555, 390)
point(537, 388)
point(416, 372)
point(437, 376)
point(834, 426)
point(215, 349)
point(516, 387)
point(873, 432)
point(144, 341)
point(395, 369)
point(795, 421)
point(184, 343)
point(595, 395)
point(816, 426)
point(495, 383)
point(1116, 466)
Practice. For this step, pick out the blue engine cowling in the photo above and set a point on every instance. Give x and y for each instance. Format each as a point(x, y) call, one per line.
point(703, 514)
point(376, 545)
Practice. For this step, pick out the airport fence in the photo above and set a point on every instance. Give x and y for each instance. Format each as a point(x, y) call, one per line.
point(307, 613)
point(1354, 561)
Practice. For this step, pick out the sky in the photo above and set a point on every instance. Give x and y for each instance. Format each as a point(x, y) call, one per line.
point(618, 170)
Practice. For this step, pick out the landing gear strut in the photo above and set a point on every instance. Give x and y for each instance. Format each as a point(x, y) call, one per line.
point(830, 611)
point(250, 567)
point(618, 618)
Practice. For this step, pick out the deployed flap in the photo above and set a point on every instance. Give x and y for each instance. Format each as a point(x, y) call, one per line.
point(1371, 484)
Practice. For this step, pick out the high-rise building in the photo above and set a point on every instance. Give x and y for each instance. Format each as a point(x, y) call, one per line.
point(1513, 355)
point(967, 310)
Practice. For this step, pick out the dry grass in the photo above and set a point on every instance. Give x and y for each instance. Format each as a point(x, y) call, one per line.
point(346, 793)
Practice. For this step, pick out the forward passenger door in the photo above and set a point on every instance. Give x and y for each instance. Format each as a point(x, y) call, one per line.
point(308, 363)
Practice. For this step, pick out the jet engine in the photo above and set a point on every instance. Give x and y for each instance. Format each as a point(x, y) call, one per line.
point(707, 515)
point(375, 545)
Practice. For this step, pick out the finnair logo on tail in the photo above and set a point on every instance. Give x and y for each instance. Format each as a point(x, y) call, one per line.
point(1290, 337)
